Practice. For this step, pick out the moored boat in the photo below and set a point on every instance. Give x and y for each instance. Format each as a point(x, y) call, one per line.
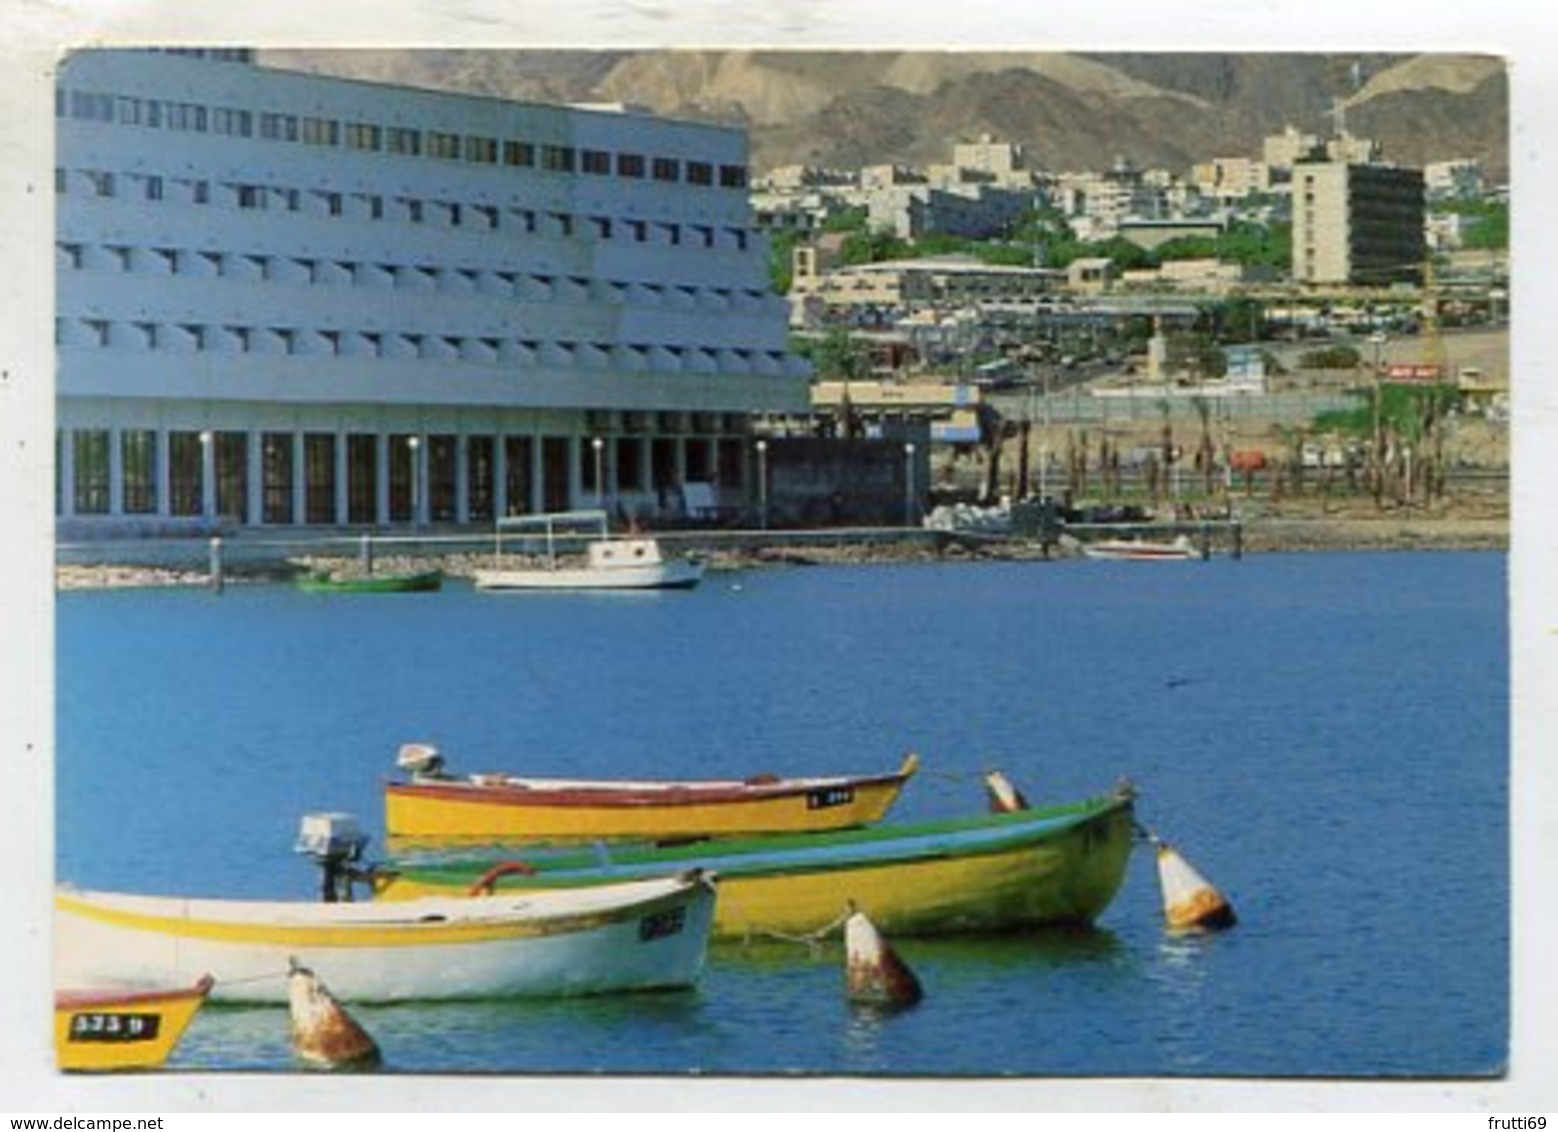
point(648, 933)
point(1141, 550)
point(631, 562)
point(1056, 864)
point(431, 805)
point(418, 581)
point(101, 1030)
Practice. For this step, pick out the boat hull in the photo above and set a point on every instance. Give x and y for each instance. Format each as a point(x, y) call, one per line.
point(673, 575)
point(996, 873)
point(638, 936)
point(118, 1030)
point(468, 810)
point(428, 582)
point(1131, 551)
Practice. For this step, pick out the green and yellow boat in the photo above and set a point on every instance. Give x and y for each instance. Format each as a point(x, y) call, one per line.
point(1058, 864)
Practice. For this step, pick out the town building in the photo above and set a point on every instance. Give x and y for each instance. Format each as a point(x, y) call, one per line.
point(905, 285)
point(289, 299)
point(1357, 224)
point(1230, 179)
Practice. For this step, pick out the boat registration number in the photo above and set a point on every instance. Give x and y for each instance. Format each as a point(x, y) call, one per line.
point(112, 1026)
point(662, 924)
point(833, 796)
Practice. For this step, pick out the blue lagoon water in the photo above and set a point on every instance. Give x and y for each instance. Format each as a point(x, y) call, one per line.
point(1324, 736)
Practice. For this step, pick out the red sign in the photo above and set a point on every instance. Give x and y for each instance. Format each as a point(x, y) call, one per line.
point(1407, 374)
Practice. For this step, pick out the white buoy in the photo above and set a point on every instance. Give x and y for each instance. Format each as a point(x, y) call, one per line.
point(1004, 797)
point(1189, 901)
point(873, 972)
point(323, 1033)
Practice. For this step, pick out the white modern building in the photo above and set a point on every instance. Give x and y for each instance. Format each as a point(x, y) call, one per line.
point(291, 299)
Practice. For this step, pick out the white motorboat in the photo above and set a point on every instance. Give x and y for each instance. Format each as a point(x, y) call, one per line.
point(628, 562)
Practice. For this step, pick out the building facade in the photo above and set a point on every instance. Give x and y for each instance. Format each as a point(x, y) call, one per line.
point(289, 299)
point(1360, 224)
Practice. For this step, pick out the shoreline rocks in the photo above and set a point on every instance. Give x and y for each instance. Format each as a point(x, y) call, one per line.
point(1268, 535)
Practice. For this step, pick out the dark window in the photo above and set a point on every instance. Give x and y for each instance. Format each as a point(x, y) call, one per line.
point(91, 467)
point(557, 158)
point(318, 478)
point(480, 477)
point(186, 473)
point(630, 164)
point(276, 470)
point(231, 456)
point(362, 478)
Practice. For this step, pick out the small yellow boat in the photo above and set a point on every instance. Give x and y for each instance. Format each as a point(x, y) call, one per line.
point(100, 1030)
point(435, 807)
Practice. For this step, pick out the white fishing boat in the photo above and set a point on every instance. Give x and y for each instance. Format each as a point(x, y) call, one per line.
point(1180, 549)
point(620, 937)
point(634, 561)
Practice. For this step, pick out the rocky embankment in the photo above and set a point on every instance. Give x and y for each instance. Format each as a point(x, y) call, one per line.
point(1264, 528)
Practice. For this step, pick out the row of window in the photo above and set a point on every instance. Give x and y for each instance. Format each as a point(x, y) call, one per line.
point(405, 141)
point(244, 267)
point(297, 473)
point(185, 338)
point(483, 218)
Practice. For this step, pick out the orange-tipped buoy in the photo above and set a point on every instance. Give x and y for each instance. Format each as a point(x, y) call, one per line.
point(1004, 797)
point(1189, 901)
point(323, 1033)
point(874, 974)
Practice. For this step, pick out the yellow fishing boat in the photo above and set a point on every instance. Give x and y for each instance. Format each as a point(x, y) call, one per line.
point(121, 1029)
point(994, 872)
point(433, 806)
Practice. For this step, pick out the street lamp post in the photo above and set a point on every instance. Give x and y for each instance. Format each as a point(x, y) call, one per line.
point(762, 483)
point(908, 485)
point(599, 446)
point(1378, 339)
point(208, 475)
point(414, 446)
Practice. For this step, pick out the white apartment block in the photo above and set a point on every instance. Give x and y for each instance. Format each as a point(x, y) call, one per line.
point(289, 299)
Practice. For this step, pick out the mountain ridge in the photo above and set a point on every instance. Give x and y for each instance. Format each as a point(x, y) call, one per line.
point(1070, 111)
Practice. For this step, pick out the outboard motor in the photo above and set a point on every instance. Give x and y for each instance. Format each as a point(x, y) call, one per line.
point(336, 843)
point(420, 760)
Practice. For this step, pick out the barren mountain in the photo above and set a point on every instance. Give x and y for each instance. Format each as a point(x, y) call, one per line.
point(1072, 111)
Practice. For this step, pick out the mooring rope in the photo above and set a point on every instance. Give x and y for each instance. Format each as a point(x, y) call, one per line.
point(256, 978)
point(812, 940)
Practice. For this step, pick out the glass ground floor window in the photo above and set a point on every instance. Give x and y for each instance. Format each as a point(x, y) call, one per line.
point(326, 477)
point(231, 457)
point(480, 478)
point(138, 459)
point(362, 478)
point(276, 477)
point(186, 473)
point(442, 477)
point(319, 478)
point(90, 454)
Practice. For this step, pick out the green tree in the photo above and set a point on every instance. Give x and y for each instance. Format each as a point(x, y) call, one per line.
point(781, 259)
point(837, 355)
point(871, 247)
point(852, 219)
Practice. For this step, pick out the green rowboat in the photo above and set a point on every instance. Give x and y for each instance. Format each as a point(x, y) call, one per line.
point(995, 872)
point(320, 581)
